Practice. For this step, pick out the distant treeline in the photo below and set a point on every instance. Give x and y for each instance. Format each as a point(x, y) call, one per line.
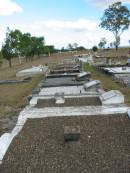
point(18, 44)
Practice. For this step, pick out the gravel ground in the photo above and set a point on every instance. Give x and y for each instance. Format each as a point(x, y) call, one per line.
point(64, 81)
point(79, 101)
point(104, 146)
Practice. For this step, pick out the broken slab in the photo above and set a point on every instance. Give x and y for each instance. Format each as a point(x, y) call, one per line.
point(92, 85)
point(112, 97)
point(83, 75)
point(14, 81)
point(32, 71)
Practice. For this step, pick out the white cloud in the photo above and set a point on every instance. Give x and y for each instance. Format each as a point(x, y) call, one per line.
point(59, 32)
point(8, 7)
point(76, 26)
point(105, 3)
point(85, 32)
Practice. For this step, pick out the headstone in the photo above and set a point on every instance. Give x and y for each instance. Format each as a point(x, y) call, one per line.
point(59, 98)
point(71, 133)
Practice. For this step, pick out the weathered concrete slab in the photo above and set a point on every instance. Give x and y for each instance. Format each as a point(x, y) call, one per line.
point(112, 97)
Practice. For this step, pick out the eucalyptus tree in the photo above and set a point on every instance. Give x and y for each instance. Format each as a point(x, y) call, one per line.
point(7, 51)
point(102, 42)
point(116, 19)
point(16, 37)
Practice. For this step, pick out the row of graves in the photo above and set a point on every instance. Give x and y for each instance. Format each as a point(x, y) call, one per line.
point(119, 69)
point(119, 74)
point(70, 125)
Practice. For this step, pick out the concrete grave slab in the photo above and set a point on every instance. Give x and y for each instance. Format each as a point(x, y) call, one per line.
point(92, 85)
point(112, 97)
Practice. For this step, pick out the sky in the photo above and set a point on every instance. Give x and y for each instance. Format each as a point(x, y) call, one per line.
point(60, 21)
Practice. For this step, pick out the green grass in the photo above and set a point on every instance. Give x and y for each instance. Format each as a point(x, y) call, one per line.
point(108, 83)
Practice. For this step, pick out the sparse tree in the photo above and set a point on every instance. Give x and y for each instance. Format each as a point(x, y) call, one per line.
point(70, 46)
point(80, 48)
point(102, 43)
point(63, 49)
point(75, 45)
point(111, 45)
point(48, 49)
point(95, 48)
point(16, 37)
point(116, 19)
point(7, 50)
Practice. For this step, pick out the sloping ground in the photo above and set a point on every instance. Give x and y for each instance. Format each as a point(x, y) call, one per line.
point(77, 101)
point(40, 147)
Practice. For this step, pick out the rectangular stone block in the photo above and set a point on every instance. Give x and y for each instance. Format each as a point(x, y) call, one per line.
point(71, 133)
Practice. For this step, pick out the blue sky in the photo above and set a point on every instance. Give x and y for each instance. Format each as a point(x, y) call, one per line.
point(58, 9)
point(59, 21)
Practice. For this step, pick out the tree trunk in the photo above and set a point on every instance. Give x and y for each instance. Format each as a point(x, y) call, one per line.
point(116, 48)
point(26, 59)
point(10, 63)
point(117, 41)
point(20, 62)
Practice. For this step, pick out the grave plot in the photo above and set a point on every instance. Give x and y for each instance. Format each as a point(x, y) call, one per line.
point(69, 102)
point(124, 79)
point(118, 70)
point(68, 90)
point(62, 75)
point(65, 66)
point(64, 81)
point(65, 71)
point(103, 146)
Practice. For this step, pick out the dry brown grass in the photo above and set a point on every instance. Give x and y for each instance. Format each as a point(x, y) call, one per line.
point(121, 53)
point(13, 96)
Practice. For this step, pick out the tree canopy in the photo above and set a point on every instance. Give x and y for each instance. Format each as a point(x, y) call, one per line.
point(116, 19)
point(102, 42)
point(94, 48)
point(7, 50)
point(23, 44)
